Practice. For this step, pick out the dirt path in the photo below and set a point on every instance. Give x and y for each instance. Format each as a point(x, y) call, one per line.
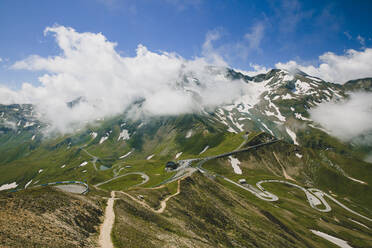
point(163, 203)
point(286, 176)
point(106, 227)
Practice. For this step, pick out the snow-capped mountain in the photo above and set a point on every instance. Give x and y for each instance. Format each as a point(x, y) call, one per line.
point(276, 102)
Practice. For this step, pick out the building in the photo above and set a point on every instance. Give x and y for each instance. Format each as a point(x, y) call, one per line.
point(171, 165)
point(242, 181)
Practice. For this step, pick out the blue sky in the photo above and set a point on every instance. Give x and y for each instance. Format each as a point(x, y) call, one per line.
point(249, 32)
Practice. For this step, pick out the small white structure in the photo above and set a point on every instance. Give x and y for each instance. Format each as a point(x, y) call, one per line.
point(242, 181)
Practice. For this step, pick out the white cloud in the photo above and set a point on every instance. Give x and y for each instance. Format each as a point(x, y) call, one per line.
point(348, 35)
point(257, 69)
point(348, 119)
point(255, 37)
point(89, 67)
point(210, 53)
point(231, 51)
point(337, 68)
point(361, 40)
point(289, 14)
point(1, 60)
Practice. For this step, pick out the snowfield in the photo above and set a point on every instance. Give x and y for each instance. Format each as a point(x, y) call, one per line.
point(93, 134)
point(8, 186)
point(124, 135)
point(27, 184)
point(150, 157)
point(235, 164)
point(178, 155)
point(29, 124)
point(83, 164)
point(205, 148)
point(188, 134)
point(103, 139)
point(357, 222)
point(292, 135)
point(125, 155)
point(300, 117)
point(339, 242)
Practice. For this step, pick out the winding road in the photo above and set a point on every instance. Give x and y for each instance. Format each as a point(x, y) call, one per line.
point(143, 175)
point(315, 197)
point(94, 158)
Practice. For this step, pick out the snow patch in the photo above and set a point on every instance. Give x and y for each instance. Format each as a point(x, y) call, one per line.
point(303, 87)
point(103, 139)
point(8, 186)
point(357, 222)
point(315, 79)
point(83, 164)
point(27, 184)
point(235, 164)
point(178, 155)
point(125, 155)
point(278, 114)
point(29, 124)
point(93, 134)
point(150, 157)
point(321, 129)
point(287, 97)
point(292, 135)
point(300, 117)
point(288, 77)
point(253, 92)
point(205, 148)
point(356, 180)
point(236, 124)
point(188, 134)
point(263, 124)
point(337, 241)
point(124, 135)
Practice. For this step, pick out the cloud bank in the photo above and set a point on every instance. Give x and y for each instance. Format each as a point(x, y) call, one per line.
point(231, 51)
point(89, 68)
point(348, 119)
point(337, 68)
point(257, 69)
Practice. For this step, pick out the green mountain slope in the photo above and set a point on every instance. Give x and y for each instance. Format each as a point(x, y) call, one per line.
point(212, 206)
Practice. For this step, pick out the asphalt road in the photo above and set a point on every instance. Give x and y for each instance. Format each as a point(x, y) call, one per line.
point(143, 175)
